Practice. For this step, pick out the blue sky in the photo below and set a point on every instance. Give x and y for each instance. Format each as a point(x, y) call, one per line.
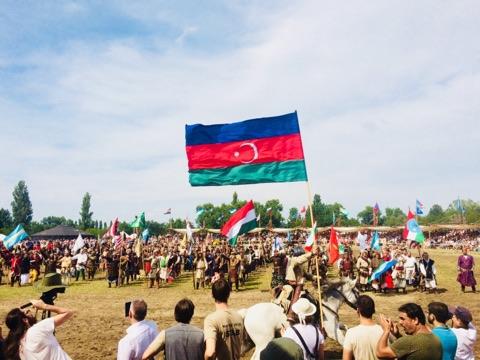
point(94, 96)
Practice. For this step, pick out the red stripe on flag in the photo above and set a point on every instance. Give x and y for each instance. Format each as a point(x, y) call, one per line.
point(253, 151)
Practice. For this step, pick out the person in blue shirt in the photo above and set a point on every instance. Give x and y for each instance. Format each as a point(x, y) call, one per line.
point(438, 315)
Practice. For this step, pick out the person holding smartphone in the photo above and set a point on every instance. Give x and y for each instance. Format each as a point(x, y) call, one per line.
point(140, 333)
point(32, 340)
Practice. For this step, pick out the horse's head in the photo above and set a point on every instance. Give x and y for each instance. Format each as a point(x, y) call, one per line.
point(344, 290)
point(350, 292)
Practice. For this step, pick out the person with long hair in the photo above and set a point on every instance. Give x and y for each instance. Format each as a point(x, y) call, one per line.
point(29, 339)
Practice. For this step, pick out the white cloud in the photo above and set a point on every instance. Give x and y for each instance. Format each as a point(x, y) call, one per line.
point(386, 94)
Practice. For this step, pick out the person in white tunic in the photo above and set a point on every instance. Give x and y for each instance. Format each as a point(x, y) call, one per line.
point(32, 340)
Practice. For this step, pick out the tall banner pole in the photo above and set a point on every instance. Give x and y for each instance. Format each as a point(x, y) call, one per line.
point(319, 289)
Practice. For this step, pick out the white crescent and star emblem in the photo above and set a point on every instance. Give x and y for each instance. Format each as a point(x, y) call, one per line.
point(255, 152)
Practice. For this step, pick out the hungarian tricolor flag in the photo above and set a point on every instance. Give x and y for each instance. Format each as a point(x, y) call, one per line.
point(333, 251)
point(247, 152)
point(412, 231)
point(311, 238)
point(240, 223)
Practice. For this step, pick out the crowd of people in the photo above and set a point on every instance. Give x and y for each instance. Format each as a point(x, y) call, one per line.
point(223, 268)
point(425, 336)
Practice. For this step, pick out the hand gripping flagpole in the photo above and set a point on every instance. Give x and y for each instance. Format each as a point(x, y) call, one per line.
point(319, 289)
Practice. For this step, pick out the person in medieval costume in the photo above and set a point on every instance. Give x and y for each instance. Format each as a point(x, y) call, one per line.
point(233, 270)
point(346, 266)
point(123, 268)
point(375, 262)
point(364, 268)
point(398, 275)
point(164, 267)
point(466, 264)
point(410, 268)
point(428, 271)
point(91, 264)
point(386, 279)
point(154, 273)
point(279, 261)
point(200, 266)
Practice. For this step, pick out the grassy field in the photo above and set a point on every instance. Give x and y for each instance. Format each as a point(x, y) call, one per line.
point(99, 321)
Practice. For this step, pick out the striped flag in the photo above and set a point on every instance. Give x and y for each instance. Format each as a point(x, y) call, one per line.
point(117, 241)
point(240, 223)
point(15, 237)
point(384, 267)
point(311, 238)
point(412, 231)
point(247, 152)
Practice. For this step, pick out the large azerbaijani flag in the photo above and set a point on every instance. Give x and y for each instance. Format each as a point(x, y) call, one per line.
point(246, 152)
point(412, 231)
point(240, 223)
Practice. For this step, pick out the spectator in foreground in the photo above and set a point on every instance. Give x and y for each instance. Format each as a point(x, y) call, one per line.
point(361, 341)
point(305, 333)
point(438, 315)
point(32, 340)
point(418, 344)
point(140, 333)
point(465, 332)
point(181, 341)
point(223, 329)
point(282, 348)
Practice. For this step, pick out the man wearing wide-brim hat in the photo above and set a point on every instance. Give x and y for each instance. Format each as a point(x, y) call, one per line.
point(49, 282)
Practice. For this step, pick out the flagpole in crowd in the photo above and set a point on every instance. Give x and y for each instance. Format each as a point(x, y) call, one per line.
point(319, 289)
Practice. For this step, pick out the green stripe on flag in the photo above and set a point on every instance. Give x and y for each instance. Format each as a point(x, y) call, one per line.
point(284, 171)
point(245, 228)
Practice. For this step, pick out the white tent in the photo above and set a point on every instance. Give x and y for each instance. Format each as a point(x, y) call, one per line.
point(2, 237)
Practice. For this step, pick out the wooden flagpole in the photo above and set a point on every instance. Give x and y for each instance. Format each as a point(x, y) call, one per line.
point(319, 289)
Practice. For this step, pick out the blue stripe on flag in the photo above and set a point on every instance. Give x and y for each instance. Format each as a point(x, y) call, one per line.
point(382, 269)
point(15, 237)
point(199, 134)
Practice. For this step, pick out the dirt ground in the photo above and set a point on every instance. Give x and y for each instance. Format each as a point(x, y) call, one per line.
point(99, 323)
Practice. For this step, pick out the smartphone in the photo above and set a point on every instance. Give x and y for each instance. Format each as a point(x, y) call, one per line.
point(127, 308)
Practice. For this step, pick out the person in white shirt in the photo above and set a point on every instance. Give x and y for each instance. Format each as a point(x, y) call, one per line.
point(465, 332)
point(81, 263)
point(410, 265)
point(361, 341)
point(140, 333)
point(32, 340)
point(305, 333)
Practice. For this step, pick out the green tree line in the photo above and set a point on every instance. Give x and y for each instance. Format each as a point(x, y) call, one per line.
point(209, 215)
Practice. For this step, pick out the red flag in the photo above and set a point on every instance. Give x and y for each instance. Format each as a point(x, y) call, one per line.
point(113, 229)
point(333, 252)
